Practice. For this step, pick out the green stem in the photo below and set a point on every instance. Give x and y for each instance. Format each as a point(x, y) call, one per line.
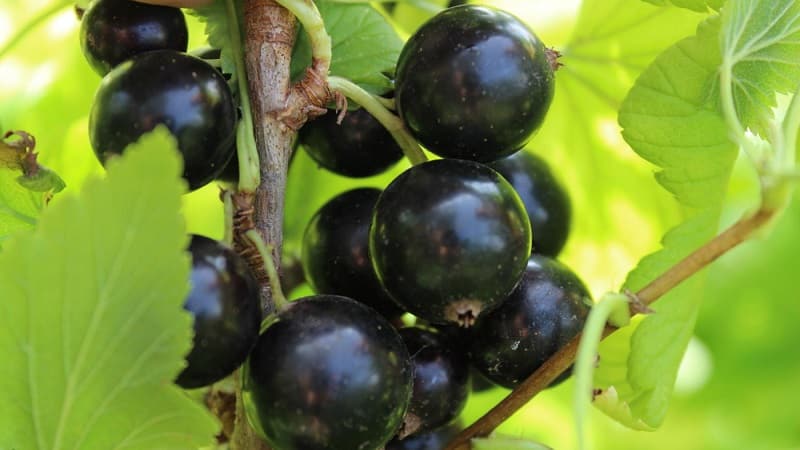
point(735, 128)
point(419, 4)
point(32, 24)
point(790, 128)
point(392, 123)
point(308, 15)
point(269, 265)
point(246, 150)
point(586, 357)
point(227, 204)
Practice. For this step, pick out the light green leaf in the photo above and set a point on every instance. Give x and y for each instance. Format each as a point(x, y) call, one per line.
point(694, 5)
point(760, 43)
point(19, 207)
point(671, 119)
point(365, 47)
point(506, 443)
point(92, 329)
point(611, 44)
point(218, 32)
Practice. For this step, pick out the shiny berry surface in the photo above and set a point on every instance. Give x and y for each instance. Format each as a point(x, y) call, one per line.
point(113, 31)
point(225, 303)
point(545, 199)
point(429, 440)
point(441, 381)
point(328, 373)
point(358, 147)
point(335, 253)
point(164, 87)
point(449, 239)
point(547, 309)
point(473, 82)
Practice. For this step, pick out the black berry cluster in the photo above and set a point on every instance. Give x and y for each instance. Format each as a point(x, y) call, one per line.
point(463, 246)
point(149, 80)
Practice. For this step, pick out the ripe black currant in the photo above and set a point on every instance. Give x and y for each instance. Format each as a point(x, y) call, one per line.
point(431, 440)
point(358, 147)
point(174, 89)
point(449, 239)
point(113, 31)
point(545, 199)
point(441, 381)
point(546, 310)
point(224, 301)
point(473, 82)
point(336, 251)
point(328, 373)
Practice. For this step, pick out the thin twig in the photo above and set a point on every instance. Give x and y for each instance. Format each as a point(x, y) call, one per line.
point(558, 363)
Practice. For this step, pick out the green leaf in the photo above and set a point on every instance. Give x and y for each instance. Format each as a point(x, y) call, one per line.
point(694, 5)
point(761, 44)
point(670, 118)
point(506, 443)
point(93, 330)
point(365, 47)
point(218, 32)
point(19, 207)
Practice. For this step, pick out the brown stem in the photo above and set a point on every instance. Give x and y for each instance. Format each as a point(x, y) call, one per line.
point(269, 31)
point(553, 367)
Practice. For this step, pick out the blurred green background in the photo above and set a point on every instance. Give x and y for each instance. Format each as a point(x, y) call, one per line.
point(739, 385)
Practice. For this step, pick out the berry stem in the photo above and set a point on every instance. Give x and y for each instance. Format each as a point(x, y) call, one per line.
point(246, 150)
point(274, 280)
point(391, 122)
point(553, 367)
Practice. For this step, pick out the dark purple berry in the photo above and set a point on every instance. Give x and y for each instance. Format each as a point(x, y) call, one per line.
point(335, 253)
point(113, 31)
point(474, 82)
point(441, 381)
point(545, 199)
point(547, 309)
point(358, 147)
point(328, 373)
point(430, 440)
point(164, 87)
point(449, 239)
point(225, 303)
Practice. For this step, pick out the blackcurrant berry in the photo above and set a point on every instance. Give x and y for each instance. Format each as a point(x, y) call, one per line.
point(545, 199)
point(328, 373)
point(174, 89)
point(473, 82)
point(431, 440)
point(358, 147)
point(547, 309)
point(336, 251)
point(113, 31)
point(449, 239)
point(224, 301)
point(441, 381)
